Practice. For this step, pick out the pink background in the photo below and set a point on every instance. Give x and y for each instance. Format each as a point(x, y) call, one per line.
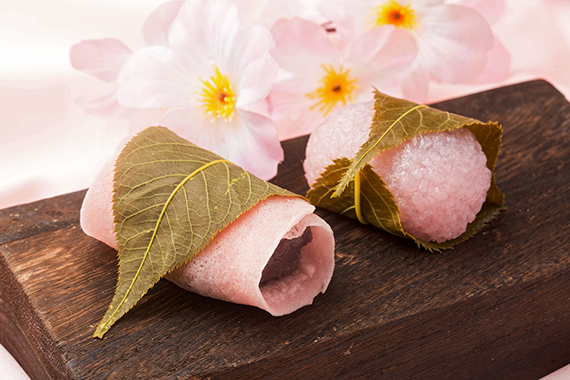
point(50, 146)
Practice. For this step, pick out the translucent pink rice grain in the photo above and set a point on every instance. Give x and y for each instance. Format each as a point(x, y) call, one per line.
point(440, 180)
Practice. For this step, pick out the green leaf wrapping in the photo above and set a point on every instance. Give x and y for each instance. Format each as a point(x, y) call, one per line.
point(395, 121)
point(170, 199)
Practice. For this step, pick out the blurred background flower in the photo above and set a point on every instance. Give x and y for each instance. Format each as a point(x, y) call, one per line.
point(326, 70)
point(454, 39)
point(39, 87)
point(329, 53)
point(198, 79)
point(49, 145)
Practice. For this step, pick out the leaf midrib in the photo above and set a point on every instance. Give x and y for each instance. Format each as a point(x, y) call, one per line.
point(154, 233)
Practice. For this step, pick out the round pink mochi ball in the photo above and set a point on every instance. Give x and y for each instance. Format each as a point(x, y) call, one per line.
point(439, 179)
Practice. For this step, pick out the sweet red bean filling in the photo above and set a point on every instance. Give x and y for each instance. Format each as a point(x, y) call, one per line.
point(286, 257)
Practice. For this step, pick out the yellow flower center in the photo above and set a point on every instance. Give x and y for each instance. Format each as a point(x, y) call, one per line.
point(217, 97)
point(392, 13)
point(336, 87)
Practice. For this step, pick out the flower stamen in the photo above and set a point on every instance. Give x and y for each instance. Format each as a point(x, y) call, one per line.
point(217, 97)
point(336, 87)
point(392, 13)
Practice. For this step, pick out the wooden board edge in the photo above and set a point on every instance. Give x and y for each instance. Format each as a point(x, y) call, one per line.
point(30, 343)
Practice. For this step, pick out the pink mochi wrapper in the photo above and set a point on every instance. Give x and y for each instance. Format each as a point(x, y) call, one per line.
point(231, 266)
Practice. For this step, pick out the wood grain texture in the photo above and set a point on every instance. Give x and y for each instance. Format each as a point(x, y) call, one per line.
point(495, 307)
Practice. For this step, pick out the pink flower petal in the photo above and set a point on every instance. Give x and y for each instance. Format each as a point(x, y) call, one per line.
point(415, 84)
point(104, 105)
point(492, 10)
point(381, 51)
point(258, 150)
point(453, 41)
point(101, 58)
point(157, 25)
point(366, 46)
point(249, 141)
point(156, 77)
point(498, 65)
point(267, 12)
point(374, 59)
point(559, 12)
point(295, 125)
point(342, 20)
point(291, 110)
point(379, 56)
point(290, 95)
point(350, 18)
point(301, 46)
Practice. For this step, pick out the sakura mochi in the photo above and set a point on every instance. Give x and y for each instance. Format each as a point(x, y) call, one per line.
point(412, 170)
point(440, 181)
point(276, 255)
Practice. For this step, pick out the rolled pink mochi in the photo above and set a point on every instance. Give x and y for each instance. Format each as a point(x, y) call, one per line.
point(439, 179)
point(230, 268)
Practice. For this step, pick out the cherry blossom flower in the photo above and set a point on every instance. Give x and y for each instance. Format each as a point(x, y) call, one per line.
point(104, 58)
point(498, 65)
point(267, 12)
point(492, 10)
point(328, 71)
point(206, 80)
point(453, 40)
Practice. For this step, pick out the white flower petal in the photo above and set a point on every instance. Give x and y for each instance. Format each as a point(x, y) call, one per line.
point(156, 77)
point(251, 43)
point(204, 31)
point(249, 141)
point(250, 66)
point(157, 25)
point(188, 123)
point(301, 46)
point(257, 81)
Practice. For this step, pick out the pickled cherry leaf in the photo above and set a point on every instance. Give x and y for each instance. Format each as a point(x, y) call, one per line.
point(378, 205)
point(170, 199)
point(395, 121)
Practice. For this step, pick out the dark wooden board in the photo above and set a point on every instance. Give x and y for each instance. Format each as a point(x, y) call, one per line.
point(495, 307)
